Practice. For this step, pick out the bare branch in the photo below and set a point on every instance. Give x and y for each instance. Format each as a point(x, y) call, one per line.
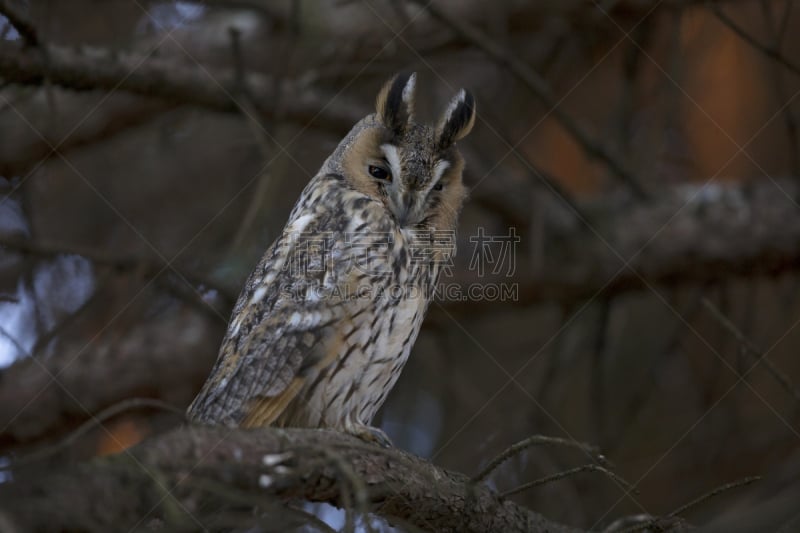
point(650, 522)
point(750, 230)
point(756, 354)
point(96, 420)
point(168, 79)
point(778, 33)
point(537, 440)
point(768, 51)
point(266, 142)
point(116, 492)
point(719, 490)
point(571, 472)
point(147, 267)
point(24, 160)
point(43, 399)
point(542, 91)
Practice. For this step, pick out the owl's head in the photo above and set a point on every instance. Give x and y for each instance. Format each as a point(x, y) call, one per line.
point(414, 169)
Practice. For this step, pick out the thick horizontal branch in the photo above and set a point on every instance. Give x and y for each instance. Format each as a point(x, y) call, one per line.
point(21, 160)
point(171, 474)
point(168, 79)
point(146, 267)
point(694, 235)
point(42, 398)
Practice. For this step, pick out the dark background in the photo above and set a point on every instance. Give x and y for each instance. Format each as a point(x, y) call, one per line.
point(645, 153)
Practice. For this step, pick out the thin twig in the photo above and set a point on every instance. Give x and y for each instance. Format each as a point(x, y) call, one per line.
point(42, 342)
point(96, 420)
point(647, 387)
point(757, 354)
point(567, 473)
point(719, 490)
point(768, 51)
point(550, 181)
point(597, 387)
point(631, 65)
point(20, 22)
point(266, 142)
point(534, 82)
point(568, 312)
point(148, 267)
point(778, 82)
point(697, 501)
point(538, 440)
point(153, 76)
point(358, 487)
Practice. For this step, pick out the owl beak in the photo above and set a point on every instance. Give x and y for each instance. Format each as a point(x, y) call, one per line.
point(406, 207)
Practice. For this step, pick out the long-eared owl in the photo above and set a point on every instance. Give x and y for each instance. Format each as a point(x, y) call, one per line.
point(328, 317)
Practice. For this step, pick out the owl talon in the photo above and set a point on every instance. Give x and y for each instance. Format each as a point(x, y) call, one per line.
point(372, 435)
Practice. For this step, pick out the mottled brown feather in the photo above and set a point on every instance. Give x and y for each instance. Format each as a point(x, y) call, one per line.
point(293, 356)
point(262, 411)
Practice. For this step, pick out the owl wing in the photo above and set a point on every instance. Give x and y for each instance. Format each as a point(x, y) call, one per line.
point(276, 358)
point(288, 325)
point(316, 336)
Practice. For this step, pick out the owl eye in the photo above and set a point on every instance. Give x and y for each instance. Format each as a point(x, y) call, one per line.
point(439, 186)
point(379, 173)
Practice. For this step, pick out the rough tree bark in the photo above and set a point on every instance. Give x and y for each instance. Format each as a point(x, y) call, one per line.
point(186, 477)
point(170, 80)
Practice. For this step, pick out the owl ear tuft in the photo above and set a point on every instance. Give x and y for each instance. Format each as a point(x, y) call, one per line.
point(395, 104)
point(457, 120)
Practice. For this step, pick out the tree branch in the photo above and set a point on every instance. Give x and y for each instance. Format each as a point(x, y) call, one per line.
point(542, 91)
point(268, 465)
point(694, 235)
point(168, 79)
point(769, 51)
point(20, 160)
point(757, 355)
point(167, 358)
point(537, 440)
point(143, 266)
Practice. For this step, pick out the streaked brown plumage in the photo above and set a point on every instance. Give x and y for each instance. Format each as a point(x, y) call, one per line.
point(324, 326)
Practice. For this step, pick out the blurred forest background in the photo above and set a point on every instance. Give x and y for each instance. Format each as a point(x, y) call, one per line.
point(645, 153)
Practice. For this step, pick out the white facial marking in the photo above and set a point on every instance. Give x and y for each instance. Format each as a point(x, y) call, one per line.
point(390, 152)
point(438, 170)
